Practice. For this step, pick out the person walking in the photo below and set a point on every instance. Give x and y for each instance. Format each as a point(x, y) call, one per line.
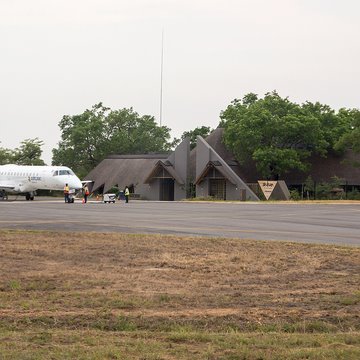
point(86, 193)
point(126, 193)
point(66, 193)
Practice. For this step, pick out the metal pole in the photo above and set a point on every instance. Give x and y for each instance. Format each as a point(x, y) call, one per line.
point(161, 74)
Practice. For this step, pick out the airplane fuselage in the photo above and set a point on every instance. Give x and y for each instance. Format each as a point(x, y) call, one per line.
point(27, 179)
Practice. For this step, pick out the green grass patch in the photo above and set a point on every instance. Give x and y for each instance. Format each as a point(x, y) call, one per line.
point(94, 344)
point(118, 296)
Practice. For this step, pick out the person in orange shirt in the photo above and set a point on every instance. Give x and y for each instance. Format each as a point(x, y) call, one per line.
point(66, 192)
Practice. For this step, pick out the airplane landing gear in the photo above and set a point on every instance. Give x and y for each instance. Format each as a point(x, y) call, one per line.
point(29, 196)
point(3, 195)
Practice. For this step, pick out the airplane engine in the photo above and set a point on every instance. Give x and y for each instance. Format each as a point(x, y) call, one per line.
point(20, 189)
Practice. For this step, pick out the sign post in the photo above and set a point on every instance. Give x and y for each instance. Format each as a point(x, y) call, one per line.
point(267, 187)
point(275, 189)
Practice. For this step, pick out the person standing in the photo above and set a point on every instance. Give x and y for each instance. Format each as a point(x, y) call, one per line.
point(126, 193)
point(66, 192)
point(86, 193)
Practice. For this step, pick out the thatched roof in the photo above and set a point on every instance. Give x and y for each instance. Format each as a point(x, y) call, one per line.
point(123, 170)
point(215, 140)
point(217, 166)
point(135, 170)
point(164, 166)
point(321, 170)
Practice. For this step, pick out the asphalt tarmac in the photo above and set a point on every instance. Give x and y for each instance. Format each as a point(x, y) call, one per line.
point(313, 223)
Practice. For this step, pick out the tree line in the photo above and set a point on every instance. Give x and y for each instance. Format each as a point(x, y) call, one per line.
point(28, 153)
point(279, 135)
point(272, 132)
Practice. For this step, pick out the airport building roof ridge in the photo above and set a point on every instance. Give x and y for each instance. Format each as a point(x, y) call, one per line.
point(139, 156)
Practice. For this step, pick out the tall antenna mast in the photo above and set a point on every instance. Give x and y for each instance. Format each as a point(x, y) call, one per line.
point(161, 74)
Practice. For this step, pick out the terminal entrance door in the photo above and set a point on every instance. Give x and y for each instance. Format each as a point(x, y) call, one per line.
point(166, 189)
point(218, 189)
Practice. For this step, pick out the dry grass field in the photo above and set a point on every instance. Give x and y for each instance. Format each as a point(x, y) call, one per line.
point(119, 296)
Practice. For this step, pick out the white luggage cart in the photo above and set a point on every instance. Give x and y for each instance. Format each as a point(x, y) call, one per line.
point(109, 198)
point(71, 197)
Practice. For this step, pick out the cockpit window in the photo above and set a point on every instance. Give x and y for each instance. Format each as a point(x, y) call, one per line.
point(64, 172)
point(56, 173)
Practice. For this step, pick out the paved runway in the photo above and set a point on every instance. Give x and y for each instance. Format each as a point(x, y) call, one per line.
point(315, 223)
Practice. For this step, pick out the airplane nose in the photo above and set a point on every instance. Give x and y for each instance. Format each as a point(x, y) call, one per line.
point(76, 184)
point(79, 184)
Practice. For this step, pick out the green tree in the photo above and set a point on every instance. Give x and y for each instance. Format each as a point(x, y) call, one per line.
point(333, 125)
point(309, 187)
point(29, 152)
point(83, 141)
point(129, 133)
point(351, 138)
point(87, 138)
point(203, 131)
point(277, 134)
point(6, 156)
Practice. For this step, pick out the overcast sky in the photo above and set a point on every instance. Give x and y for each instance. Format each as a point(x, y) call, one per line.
point(63, 56)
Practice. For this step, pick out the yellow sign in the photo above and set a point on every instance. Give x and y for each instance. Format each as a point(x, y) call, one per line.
point(267, 187)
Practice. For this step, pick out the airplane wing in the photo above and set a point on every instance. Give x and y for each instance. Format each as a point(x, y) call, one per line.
point(6, 187)
point(87, 181)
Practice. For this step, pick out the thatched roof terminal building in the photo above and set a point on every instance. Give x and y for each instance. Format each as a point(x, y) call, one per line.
point(210, 168)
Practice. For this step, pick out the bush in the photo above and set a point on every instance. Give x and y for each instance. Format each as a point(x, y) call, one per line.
point(332, 190)
point(294, 195)
point(353, 195)
point(323, 191)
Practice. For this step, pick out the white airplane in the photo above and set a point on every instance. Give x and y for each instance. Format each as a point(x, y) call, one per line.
point(27, 179)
